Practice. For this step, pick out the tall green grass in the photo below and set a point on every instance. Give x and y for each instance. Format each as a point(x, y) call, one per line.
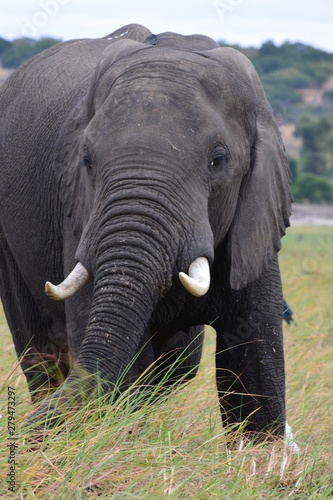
point(177, 447)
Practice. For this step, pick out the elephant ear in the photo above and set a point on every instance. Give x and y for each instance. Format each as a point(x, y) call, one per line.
point(264, 202)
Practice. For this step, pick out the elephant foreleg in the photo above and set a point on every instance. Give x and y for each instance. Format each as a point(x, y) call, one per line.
point(41, 359)
point(250, 360)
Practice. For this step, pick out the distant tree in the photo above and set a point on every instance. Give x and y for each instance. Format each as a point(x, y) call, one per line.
point(45, 43)
point(285, 69)
point(328, 95)
point(23, 49)
point(310, 66)
point(268, 58)
point(282, 98)
point(291, 77)
point(317, 148)
point(20, 50)
point(4, 45)
point(312, 188)
point(293, 167)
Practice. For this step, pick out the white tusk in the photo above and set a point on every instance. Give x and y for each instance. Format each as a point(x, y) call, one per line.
point(198, 279)
point(76, 280)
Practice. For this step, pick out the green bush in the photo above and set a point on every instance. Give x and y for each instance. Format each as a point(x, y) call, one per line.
point(281, 97)
point(287, 68)
point(293, 167)
point(291, 77)
point(328, 95)
point(308, 187)
point(317, 148)
point(4, 45)
point(24, 48)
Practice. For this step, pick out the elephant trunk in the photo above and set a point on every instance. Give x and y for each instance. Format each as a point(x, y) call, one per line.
point(136, 256)
point(135, 246)
point(132, 272)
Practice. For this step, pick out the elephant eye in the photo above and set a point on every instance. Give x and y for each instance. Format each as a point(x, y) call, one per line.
point(86, 159)
point(89, 167)
point(218, 159)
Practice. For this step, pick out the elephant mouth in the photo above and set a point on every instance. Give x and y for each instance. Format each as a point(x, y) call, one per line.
point(196, 282)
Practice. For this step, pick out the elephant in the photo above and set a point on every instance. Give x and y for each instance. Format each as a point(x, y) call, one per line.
point(145, 188)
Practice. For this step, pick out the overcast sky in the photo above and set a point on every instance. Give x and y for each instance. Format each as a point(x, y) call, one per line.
point(247, 22)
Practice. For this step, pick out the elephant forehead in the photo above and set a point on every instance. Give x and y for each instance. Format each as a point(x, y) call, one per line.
point(156, 94)
point(172, 72)
point(152, 108)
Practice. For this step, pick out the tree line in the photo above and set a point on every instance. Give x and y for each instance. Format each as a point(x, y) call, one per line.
point(13, 54)
point(283, 70)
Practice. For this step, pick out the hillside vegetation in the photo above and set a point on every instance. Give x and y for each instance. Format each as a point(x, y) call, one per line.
point(286, 69)
point(298, 81)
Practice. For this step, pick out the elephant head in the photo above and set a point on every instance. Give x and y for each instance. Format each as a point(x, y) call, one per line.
point(171, 154)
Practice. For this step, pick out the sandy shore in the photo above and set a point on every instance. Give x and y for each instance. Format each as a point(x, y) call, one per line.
point(312, 215)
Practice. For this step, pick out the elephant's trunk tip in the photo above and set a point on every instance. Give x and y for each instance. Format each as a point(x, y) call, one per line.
point(76, 280)
point(197, 281)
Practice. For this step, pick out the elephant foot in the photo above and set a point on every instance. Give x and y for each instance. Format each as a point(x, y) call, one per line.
point(238, 437)
point(57, 408)
point(79, 389)
point(50, 414)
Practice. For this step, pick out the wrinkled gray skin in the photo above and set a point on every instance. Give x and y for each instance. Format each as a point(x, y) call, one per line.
point(135, 155)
